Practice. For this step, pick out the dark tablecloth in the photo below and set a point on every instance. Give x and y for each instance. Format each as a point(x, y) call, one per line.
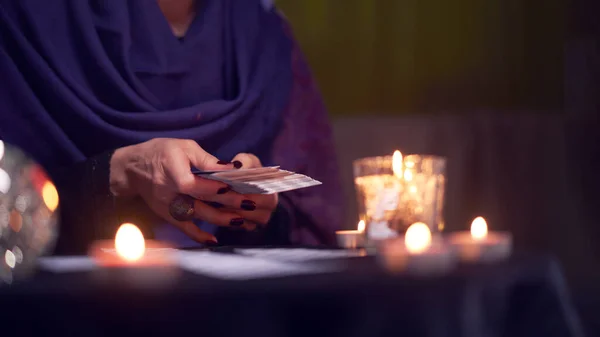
point(525, 296)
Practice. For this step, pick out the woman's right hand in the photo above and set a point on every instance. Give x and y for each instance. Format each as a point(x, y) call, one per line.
point(159, 170)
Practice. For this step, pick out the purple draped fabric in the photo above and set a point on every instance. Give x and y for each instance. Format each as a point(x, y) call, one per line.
point(82, 77)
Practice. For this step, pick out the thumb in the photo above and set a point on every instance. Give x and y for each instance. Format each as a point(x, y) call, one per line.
point(248, 160)
point(205, 161)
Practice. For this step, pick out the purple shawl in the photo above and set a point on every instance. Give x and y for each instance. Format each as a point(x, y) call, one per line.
point(81, 77)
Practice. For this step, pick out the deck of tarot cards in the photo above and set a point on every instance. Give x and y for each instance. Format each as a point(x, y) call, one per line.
point(264, 180)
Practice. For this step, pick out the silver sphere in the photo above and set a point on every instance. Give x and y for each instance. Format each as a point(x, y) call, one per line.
point(28, 213)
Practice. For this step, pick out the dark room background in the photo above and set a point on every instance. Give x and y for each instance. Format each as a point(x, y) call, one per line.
point(390, 57)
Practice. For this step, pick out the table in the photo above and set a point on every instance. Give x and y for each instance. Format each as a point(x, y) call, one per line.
point(521, 297)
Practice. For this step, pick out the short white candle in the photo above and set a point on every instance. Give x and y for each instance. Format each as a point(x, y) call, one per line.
point(417, 252)
point(132, 259)
point(480, 244)
point(352, 239)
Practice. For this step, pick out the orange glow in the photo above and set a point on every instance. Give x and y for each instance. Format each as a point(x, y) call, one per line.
point(50, 196)
point(417, 238)
point(361, 226)
point(397, 163)
point(479, 228)
point(15, 221)
point(129, 242)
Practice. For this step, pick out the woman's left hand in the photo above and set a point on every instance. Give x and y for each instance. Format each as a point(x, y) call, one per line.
point(265, 203)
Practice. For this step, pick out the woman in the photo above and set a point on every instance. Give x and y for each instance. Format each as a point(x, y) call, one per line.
point(118, 100)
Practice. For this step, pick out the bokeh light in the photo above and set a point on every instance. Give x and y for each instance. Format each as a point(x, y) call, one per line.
point(417, 238)
point(28, 221)
point(129, 242)
point(479, 228)
point(50, 195)
point(5, 182)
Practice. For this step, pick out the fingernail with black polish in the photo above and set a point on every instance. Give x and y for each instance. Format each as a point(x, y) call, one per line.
point(223, 190)
point(222, 162)
point(214, 204)
point(248, 205)
point(237, 222)
point(210, 243)
point(237, 164)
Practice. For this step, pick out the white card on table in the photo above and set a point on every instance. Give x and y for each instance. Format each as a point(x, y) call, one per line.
point(236, 267)
point(299, 254)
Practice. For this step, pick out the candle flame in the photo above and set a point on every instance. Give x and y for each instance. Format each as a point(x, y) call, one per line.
point(479, 228)
point(50, 196)
point(408, 175)
point(397, 163)
point(417, 238)
point(361, 226)
point(129, 242)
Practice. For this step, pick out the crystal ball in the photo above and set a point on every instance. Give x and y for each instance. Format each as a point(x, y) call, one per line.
point(28, 213)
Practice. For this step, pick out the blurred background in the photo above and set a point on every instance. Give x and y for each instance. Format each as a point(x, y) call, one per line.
point(506, 90)
point(424, 56)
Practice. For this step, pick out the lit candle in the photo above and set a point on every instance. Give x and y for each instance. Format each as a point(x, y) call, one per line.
point(132, 259)
point(130, 249)
point(352, 239)
point(417, 238)
point(397, 164)
point(480, 244)
point(417, 253)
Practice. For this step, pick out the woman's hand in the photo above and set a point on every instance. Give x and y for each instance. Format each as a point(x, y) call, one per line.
point(159, 171)
point(265, 203)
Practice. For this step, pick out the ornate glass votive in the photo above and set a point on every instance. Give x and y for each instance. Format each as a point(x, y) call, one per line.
point(378, 189)
point(422, 199)
point(28, 213)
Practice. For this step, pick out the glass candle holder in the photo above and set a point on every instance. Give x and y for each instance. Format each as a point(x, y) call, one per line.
point(422, 199)
point(378, 190)
point(393, 193)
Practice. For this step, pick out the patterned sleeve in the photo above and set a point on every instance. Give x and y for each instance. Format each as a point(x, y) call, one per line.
point(305, 145)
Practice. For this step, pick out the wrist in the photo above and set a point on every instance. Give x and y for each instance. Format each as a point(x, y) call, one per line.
point(119, 181)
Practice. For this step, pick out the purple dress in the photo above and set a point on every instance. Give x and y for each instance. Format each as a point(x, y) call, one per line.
point(82, 78)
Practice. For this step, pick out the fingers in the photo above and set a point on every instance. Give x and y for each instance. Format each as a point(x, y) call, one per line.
point(219, 217)
point(259, 216)
point(249, 226)
point(250, 202)
point(203, 160)
point(247, 160)
point(184, 181)
point(187, 227)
